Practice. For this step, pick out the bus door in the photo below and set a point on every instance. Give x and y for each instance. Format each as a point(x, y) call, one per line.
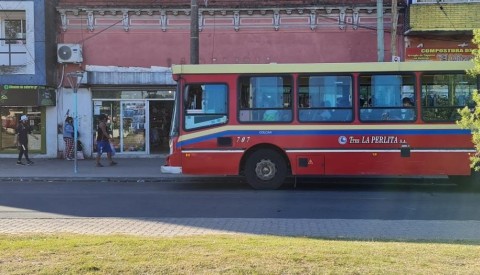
point(206, 109)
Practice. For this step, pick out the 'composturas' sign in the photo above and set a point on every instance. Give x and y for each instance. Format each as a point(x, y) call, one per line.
point(438, 54)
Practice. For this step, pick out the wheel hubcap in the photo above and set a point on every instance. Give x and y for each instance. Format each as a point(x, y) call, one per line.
point(265, 169)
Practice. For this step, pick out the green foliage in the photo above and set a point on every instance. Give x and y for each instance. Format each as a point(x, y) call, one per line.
point(470, 115)
point(471, 120)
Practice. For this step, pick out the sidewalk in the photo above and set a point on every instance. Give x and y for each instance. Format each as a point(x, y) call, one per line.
point(127, 169)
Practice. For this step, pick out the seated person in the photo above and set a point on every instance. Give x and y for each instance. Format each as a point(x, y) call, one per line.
point(407, 102)
point(408, 113)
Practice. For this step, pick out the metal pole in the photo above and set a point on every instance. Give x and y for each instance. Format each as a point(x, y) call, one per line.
point(75, 127)
point(194, 40)
point(380, 39)
point(75, 79)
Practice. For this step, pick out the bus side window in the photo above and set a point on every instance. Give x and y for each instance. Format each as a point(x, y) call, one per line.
point(205, 105)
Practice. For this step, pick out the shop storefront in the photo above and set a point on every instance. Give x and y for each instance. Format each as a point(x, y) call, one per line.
point(139, 118)
point(18, 100)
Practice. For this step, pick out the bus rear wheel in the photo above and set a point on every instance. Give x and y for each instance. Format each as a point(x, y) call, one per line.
point(265, 169)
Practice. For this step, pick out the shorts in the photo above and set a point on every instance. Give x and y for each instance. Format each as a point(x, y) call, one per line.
point(103, 147)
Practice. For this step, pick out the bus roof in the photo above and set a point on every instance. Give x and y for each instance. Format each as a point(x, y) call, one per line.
point(323, 67)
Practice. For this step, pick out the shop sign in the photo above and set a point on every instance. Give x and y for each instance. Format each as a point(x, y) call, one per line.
point(26, 95)
point(438, 54)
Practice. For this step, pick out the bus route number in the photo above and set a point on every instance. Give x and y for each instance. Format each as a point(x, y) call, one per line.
point(243, 139)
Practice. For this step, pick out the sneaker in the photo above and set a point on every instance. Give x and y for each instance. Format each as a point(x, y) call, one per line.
point(70, 159)
point(99, 165)
point(29, 162)
point(20, 163)
point(113, 163)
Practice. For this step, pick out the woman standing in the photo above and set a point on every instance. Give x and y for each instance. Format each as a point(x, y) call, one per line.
point(68, 138)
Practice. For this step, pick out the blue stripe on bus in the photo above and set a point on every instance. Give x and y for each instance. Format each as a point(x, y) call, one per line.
point(324, 133)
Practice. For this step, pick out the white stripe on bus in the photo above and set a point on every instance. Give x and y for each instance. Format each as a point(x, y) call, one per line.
point(340, 151)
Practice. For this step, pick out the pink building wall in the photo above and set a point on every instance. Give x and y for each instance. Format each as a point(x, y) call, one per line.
point(145, 44)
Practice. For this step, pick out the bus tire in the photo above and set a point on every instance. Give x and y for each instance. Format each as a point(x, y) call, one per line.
point(265, 169)
point(471, 182)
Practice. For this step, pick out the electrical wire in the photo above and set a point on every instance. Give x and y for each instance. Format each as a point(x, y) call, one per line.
point(445, 13)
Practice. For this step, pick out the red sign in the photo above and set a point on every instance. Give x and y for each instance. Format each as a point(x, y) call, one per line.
point(438, 54)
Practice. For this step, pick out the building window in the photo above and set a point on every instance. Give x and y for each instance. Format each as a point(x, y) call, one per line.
point(15, 31)
point(14, 26)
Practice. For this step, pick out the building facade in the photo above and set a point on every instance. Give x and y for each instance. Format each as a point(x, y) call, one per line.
point(27, 74)
point(446, 35)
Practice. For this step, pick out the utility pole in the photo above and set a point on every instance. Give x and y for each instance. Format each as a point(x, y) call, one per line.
point(380, 39)
point(194, 41)
point(393, 46)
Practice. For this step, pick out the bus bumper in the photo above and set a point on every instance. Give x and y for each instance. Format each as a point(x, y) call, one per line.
point(171, 169)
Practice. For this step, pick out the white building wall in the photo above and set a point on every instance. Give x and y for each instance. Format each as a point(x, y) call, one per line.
point(66, 103)
point(51, 132)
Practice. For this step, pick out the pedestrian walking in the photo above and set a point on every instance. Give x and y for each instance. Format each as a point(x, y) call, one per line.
point(68, 138)
point(23, 130)
point(103, 140)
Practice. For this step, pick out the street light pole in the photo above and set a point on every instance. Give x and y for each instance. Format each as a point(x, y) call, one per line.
point(74, 78)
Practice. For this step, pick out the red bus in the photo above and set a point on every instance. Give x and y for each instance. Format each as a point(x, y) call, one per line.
point(271, 121)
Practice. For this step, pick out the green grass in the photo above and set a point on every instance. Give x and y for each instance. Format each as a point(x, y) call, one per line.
point(80, 254)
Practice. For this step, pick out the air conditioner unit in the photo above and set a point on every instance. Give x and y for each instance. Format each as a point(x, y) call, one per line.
point(396, 58)
point(69, 53)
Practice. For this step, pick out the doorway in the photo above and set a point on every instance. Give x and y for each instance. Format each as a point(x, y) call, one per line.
point(160, 116)
point(11, 119)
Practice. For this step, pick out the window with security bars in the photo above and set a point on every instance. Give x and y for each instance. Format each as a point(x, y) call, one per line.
point(14, 31)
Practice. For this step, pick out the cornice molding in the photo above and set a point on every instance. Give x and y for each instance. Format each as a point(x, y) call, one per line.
point(235, 13)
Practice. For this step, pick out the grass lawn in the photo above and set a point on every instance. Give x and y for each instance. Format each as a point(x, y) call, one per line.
point(222, 254)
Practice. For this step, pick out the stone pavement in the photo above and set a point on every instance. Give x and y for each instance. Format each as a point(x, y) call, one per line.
point(148, 169)
point(401, 230)
point(128, 169)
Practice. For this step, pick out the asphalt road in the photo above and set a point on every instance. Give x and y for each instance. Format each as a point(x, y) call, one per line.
point(417, 205)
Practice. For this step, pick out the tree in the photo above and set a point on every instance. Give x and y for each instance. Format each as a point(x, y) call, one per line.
point(470, 115)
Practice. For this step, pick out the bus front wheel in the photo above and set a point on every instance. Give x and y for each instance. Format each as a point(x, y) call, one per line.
point(265, 170)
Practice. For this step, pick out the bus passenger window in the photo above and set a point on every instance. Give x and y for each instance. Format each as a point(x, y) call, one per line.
point(382, 97)
point(444, 94)
point(265, 98)
point(327, 98)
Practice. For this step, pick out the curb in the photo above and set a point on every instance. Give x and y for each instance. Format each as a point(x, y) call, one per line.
point(88, 179)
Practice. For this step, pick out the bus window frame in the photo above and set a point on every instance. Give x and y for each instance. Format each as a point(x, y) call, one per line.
point(453, 108)
point(331, 109)
point(188, 114)
point(385, 117)
point(261, 121)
